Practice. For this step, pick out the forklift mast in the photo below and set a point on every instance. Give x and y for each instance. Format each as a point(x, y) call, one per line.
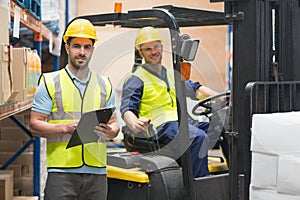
point(265, 49)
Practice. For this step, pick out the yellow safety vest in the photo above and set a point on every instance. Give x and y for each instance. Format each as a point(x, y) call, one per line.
point(158, 101)
point(66, 97)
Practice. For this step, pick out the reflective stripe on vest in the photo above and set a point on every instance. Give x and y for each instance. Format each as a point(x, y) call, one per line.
point(66, 97)
point(157, 104)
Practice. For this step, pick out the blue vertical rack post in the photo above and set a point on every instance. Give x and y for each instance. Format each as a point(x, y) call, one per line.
point(38, 38)
point(229, 61)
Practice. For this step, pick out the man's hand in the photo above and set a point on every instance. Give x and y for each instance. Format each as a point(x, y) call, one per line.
point(108, 131)
point(141, 124)
point(104, 131)
point(136, 124)
point(71, 127)
point(203, 92)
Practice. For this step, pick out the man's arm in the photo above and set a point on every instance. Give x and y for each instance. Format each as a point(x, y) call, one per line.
point(204, 92)
point(196, 91)
point(40, 127)
point(131, 98)
point(135, 124)
point(41, 107)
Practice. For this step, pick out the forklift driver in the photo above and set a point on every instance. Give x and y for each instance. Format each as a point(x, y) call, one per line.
point(149, 96)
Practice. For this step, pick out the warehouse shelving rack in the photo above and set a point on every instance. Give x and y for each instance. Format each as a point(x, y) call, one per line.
point(10, 109)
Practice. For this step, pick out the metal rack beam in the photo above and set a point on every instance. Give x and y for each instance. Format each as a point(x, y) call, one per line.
point(12, 108)
point(29, 21)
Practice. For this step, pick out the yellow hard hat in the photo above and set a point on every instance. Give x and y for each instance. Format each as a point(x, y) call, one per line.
point(82, 28)
point(147, 34)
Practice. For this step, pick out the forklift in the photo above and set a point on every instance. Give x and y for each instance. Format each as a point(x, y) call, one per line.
point(265, 58)
point(154, 173)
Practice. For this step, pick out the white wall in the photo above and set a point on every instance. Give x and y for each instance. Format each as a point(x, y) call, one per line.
point(210, 67)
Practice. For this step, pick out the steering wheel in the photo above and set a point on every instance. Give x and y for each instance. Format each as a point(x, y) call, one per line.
point(211, 104)
point(215, 108)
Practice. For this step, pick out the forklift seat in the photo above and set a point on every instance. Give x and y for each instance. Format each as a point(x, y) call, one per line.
point(144, 143)
point(140, 142)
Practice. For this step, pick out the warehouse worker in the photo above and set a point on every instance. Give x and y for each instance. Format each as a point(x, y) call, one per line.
point(78, 172)
point(149, 96)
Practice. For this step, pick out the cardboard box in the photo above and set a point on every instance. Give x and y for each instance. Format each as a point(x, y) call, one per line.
point(25, 198)
point(13, 134)
point(265, 194)
point(25, 184)
point(276, 133)
point(7, 122)
point(26, 158)
point(27, 171)
point(17, 170)
point(288, 180)
point(280, 173)
point(20, 72)
point(275, 156)
point(264, 170)
point(10, 146)
point(6, 184)
point(5, 24)
point(5, 75)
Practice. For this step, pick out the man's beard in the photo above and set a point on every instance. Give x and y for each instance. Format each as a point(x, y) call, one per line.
point(78, 65)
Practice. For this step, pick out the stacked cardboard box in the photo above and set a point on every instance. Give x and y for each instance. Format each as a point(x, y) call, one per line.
point(6, 184)
point(12, 139)
point(20, 72)
point(25, 72)
point(5, 73)
point(24, 198)
point(5, 23)
point(5, 78)
point(6, 187)
point(275, 156)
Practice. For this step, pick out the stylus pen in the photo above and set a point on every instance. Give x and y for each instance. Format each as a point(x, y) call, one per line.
point(72, 116)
